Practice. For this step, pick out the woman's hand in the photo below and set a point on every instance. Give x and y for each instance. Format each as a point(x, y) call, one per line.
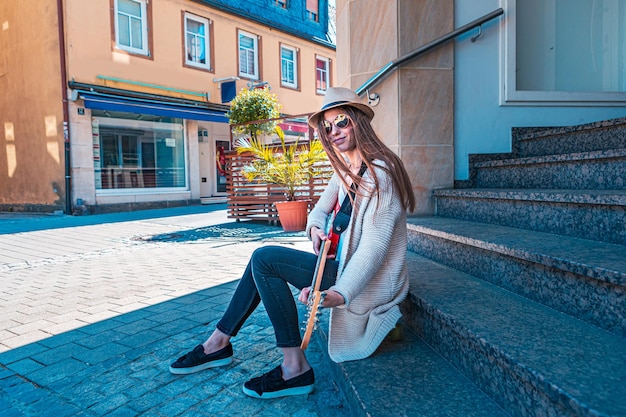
point(331, 299)
point(304, 295)
point(317, 237)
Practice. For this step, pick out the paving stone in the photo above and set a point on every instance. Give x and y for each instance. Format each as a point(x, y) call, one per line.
point(129, 317)
point(112, 402)
point(136, 326)
point(5, 373)
point(22, 352)
point(101, 339)
point(123, 411)
point(84, 395)
point(19, 389)
point(146, 402)
point(175, 326)
point(59, 353)
point(62, 339)
point(59, 370)
point(98, 328)
point(51, 407)
point(142, 338)
point(25, 366)
point(9, 411)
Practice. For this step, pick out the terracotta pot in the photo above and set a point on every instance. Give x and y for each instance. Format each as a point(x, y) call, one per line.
point(292, 214)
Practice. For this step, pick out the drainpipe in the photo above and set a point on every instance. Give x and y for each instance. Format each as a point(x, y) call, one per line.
point(66, 119)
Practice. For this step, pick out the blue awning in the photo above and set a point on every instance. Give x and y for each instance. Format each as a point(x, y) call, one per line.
point(142, 106)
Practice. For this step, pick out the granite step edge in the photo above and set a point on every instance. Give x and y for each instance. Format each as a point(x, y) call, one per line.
point(518, 341)
point(593, 259)
point(530, 133)
point(406, 378)
point(558, 158)
point(595, 197)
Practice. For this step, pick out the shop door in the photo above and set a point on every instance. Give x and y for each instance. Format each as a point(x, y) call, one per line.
point(221, 146)
point(206, 164)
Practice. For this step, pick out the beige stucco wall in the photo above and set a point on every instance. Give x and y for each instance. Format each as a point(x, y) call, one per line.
point(415, 113)
point(32, 164)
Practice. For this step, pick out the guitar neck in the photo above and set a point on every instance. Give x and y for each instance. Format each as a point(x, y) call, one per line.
point(319, 266)
point(316, 298)
point(321, 257)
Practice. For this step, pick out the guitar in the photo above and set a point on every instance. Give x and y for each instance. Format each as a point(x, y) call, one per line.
point(316, 297)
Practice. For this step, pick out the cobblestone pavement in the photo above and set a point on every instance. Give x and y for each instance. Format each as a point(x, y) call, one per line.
point(93, 309)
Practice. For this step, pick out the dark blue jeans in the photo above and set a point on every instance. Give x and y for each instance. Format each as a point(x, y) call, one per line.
point(269, 271)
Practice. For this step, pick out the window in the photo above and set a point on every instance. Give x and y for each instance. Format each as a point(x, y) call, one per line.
point(576, 54)
point(131, 153)
point(281, 3)
point(131, 26)
point(312, 10)
point(248, 56)
point(322, 74)
point(288, 66)
point(197, 41)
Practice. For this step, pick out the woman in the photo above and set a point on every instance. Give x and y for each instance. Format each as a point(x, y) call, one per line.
point(363, 283)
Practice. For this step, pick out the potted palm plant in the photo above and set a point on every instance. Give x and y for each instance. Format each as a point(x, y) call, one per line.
point(289, 165)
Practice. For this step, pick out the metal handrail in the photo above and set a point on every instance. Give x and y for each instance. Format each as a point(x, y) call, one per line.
point(426, 48)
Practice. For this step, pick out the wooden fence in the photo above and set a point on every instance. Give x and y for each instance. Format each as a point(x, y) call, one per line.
point(254, 200)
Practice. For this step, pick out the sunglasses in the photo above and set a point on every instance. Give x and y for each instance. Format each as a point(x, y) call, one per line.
point(341, 121)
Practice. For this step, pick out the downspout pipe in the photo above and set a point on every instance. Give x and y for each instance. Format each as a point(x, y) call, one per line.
point(66, 119)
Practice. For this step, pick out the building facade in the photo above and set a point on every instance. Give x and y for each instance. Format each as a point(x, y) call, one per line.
point(123, 102)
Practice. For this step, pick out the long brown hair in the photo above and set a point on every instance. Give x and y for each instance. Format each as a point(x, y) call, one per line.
point(370, 147)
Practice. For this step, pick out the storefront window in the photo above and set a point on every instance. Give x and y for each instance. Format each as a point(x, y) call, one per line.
point(130, 153)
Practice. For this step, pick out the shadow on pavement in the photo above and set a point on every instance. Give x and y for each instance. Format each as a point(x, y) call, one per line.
point(120, 367)
point(242, 231)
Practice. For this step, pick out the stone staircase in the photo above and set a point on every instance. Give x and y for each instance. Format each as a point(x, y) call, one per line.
point(518, 289)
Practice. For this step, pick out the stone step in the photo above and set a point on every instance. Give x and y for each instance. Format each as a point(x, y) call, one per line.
point(583, 278)
point(589, 214)
point(405, 378)
point(599, 170)
point(532, 360)
point(603, 135)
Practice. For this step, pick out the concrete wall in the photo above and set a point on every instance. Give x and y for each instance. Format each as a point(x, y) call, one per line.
point(415, 114)
point(32, 173)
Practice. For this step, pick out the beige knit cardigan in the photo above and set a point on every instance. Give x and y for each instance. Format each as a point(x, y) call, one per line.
point(372, 273)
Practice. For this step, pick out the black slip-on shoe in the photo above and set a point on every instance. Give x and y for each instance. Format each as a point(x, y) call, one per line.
point(272, 385)
point(197, 360)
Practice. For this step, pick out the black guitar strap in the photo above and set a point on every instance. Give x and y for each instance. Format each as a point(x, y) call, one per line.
point(342, 218)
